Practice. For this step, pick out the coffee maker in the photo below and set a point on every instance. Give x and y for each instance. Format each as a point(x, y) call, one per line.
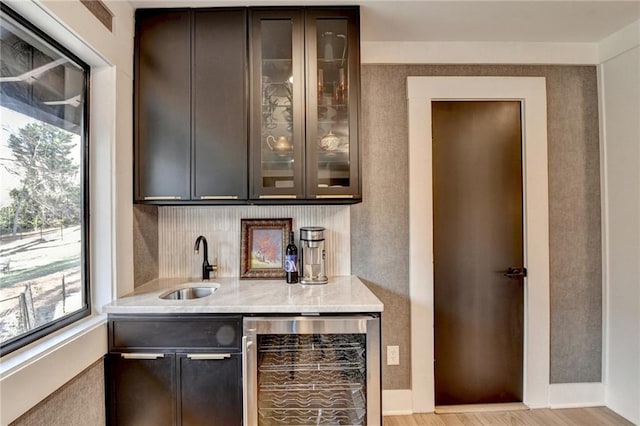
point(312, 256)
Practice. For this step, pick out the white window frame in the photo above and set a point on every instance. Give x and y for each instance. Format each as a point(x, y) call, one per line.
point(32, 373)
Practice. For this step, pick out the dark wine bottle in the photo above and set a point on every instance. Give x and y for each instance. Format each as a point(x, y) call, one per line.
point(291, 261)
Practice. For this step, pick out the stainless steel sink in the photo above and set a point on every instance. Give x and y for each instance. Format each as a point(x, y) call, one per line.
point(191, 292)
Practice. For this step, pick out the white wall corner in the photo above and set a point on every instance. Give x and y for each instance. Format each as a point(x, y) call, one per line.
point(619, 94)
point(405, 52)
point(122, 176)
point(570, 395)
point(604, 221)
point(619, 42)
point(102, 170)
point(397, 402)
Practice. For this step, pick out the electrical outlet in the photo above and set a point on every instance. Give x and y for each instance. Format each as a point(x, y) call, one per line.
point(393, 355)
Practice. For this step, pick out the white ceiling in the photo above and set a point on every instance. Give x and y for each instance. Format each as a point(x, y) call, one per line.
point(522, 21)
point(570, 21)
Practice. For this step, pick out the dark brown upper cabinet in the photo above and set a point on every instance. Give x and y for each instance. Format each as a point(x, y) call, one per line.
point(247, 105)
point(190, 124)
point(162, 106)
point(305, 68)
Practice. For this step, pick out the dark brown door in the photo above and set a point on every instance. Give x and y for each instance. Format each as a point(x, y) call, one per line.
point(478, 235)
point(220, 148)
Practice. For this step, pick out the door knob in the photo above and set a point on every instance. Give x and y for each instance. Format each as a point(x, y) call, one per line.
point(515, 272)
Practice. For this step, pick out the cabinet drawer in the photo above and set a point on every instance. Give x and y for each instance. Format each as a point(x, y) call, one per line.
point(175, 332)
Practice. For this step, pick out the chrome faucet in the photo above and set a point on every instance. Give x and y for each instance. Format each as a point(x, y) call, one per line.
point(206, 267)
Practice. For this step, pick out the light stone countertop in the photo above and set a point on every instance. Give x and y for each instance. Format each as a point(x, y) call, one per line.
point(343, 294)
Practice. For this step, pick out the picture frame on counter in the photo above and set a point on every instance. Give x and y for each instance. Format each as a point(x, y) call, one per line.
point(262, 247)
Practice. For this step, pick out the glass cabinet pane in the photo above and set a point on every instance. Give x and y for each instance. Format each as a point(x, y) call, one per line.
point(278, 144)
point(332, 134)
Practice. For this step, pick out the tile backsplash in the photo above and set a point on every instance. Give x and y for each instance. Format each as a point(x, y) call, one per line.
point(178, 228)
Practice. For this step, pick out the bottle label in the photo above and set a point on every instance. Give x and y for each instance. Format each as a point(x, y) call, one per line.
point(291, 263)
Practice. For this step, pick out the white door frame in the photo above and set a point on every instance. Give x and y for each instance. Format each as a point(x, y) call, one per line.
point(531, 91)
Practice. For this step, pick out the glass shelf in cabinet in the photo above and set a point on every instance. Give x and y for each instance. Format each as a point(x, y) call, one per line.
point(269, 156)
point(333, 123)
point(332, 61)
point(334, 168)
point(271, 60)
point(267, 106)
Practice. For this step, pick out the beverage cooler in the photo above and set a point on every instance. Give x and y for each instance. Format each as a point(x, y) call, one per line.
point(312, 370)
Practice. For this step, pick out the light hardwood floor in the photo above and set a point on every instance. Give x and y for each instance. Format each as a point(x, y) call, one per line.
point(595, 416)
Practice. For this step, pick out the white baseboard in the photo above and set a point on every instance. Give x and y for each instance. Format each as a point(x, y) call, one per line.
point(397, 402)
point(571, 395)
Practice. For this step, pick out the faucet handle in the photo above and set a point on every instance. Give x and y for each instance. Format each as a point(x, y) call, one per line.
point(211, 271)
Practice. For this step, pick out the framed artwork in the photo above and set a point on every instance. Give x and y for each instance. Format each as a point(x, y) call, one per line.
point(262, 247)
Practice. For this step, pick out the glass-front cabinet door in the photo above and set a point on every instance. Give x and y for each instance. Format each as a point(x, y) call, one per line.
point(332, 103)
point(305, 67)
point(277, 104)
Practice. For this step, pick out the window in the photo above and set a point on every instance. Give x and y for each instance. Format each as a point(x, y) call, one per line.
point(44, 276)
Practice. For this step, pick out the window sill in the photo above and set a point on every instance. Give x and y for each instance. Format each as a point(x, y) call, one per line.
point(32, 373)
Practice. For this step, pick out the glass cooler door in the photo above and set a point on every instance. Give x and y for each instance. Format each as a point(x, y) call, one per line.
point(312, 371)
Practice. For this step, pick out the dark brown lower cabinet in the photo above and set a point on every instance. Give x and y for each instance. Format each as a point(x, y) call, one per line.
point(210, 391)
point(174, 370)
point(142, 390)
point(175, 389)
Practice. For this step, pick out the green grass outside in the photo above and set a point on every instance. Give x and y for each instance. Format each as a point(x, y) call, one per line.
point(14, 277)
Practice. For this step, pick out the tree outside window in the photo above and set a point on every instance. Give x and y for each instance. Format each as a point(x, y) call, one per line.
point(43, 170)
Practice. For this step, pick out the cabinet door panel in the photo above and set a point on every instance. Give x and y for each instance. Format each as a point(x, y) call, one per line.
point(162, 332)
point(142, 391)
point(277, 104)
point(162, 105)
point(219, 95)
point(210, 391)
point(332, 103)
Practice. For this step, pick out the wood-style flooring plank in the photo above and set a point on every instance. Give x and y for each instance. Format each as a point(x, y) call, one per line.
point(593, 416)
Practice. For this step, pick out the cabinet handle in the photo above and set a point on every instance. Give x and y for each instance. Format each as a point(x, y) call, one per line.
point(245, 381)
point(277, 196)
point(160, 198)
point(208, 356)
point(141, 356)
point(335, 196)
point(219, 197)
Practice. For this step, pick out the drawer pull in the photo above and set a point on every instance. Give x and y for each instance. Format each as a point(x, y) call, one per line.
point(219, 197)
point(161, 198)
point(275, 197)
point(208, 356)
point(141, 356)
point(335, 196)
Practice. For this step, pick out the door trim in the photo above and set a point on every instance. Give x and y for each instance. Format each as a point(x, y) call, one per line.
point(531, 91)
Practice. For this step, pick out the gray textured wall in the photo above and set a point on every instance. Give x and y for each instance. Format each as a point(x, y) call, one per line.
point(379, 225)
point(145, 243)
point(79, 402)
